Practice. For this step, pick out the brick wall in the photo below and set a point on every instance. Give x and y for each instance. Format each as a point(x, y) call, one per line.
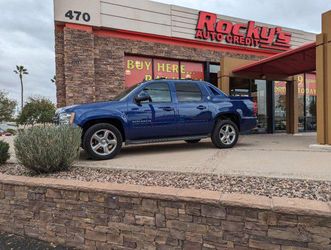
point(90, 67)
point(113, 216)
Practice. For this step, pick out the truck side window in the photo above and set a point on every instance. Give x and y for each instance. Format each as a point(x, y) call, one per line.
point(216, 92)
point(213, 91)
point(188, 92)
point(159, 92)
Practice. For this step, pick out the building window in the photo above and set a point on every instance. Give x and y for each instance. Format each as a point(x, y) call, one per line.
point(214, 69)
point(240, 86)
point(257, 90)
point(192, 70)
point(280, 105)
point(139, 69)
point(166, 69)
point(307, 102)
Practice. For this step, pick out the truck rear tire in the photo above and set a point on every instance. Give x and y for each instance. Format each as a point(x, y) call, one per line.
point(225, 134)
point(102, 141)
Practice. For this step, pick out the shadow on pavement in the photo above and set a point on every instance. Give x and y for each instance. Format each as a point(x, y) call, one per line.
point(14, 242)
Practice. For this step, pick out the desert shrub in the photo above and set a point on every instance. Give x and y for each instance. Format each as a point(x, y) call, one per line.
point(48, 149)
point(4, 152)
point(11, 131)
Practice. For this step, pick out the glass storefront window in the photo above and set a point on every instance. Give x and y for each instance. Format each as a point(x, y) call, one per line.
point(257, 89)
point(259, 96)
point(311, 95)
point(214, 68)
point(239, 86)
point(192, 71)
point(213, 73)
point(307, 102)
point(137, 69)
point(280, 105)
point(166, 69)
point(301, 102)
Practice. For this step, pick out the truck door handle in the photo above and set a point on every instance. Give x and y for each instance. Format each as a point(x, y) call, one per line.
point(167, 108)
point(201, 107)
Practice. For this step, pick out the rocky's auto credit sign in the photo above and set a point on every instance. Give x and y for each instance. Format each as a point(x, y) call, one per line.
point(245, 34)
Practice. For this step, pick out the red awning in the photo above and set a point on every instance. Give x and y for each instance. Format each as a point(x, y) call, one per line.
point(289, 63)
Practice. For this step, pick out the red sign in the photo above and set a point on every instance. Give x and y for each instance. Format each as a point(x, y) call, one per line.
point(310, 89)
point(245, 34)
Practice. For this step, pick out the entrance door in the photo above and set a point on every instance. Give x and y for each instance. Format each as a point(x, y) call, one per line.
point(257, 89)
point(213, 73)
point(280, 106)
point(259, 96)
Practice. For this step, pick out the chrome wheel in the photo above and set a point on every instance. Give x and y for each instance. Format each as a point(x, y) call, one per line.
point(227, 134)
point(103, 142)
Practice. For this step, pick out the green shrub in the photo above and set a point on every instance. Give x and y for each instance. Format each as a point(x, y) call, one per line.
point(37, 110)
point(11, 131)
point(48, 149)
point(4, 152)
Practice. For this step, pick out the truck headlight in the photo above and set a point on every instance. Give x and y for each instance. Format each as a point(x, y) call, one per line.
point(66, 118)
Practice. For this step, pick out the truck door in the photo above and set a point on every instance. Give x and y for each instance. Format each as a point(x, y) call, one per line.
point(194, 114)
point(155, 118)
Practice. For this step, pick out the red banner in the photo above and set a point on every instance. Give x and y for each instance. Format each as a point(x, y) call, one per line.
point(310, 85)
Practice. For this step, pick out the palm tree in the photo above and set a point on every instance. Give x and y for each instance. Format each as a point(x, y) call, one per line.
point(20, 70)
point(53, 80)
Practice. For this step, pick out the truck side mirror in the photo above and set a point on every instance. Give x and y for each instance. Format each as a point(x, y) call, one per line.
point(142, 97)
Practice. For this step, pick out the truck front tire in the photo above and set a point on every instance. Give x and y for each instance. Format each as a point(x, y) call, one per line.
point(102, 141)
point(225, 134)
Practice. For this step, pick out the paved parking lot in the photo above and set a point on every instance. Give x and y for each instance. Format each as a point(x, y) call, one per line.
point(258, 155)
point(276, 155)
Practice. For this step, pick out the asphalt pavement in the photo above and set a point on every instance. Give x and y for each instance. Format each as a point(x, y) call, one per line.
point(277, 155)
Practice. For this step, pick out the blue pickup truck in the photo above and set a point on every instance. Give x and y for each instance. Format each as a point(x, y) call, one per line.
point(159, 111)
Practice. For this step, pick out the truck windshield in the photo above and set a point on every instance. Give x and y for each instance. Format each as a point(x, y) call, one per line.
point(125, 93)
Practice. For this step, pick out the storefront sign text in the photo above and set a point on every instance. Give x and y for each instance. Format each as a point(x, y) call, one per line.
point(245, 34)
point(138, 69)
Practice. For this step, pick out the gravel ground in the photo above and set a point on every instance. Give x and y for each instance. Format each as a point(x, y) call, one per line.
point(292, 188)
point(14, 242)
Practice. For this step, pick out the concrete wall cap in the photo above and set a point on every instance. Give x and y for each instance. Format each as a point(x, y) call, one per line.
point(246, 200)
point(301, 206)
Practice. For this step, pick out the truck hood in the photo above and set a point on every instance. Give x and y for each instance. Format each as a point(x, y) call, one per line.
point(89, 106)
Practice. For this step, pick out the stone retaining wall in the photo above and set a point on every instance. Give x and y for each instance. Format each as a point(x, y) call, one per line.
point(113, 216)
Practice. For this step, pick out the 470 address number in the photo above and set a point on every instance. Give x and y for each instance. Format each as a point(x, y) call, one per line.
point(78, 15)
